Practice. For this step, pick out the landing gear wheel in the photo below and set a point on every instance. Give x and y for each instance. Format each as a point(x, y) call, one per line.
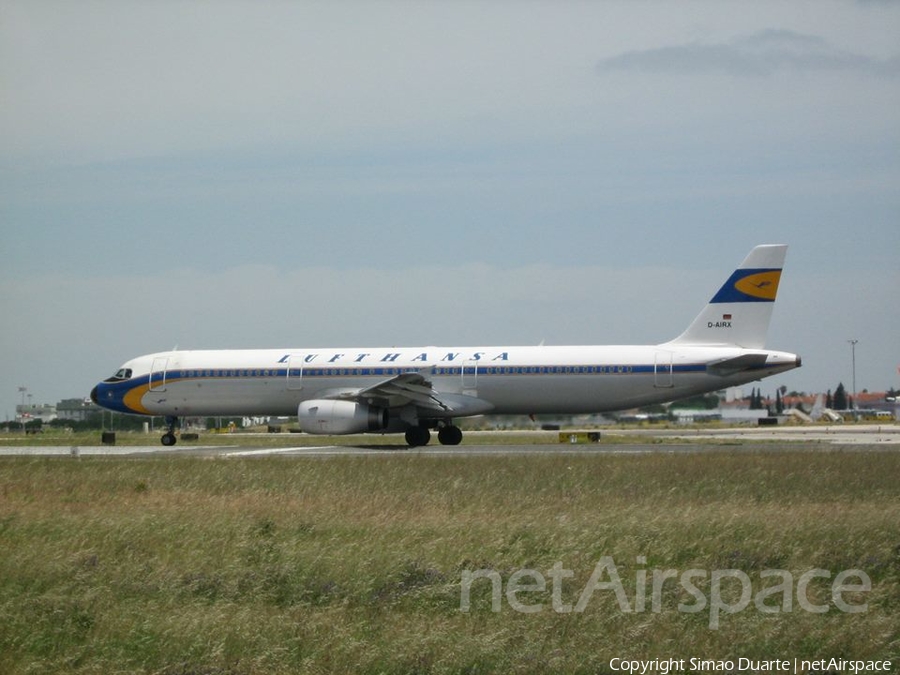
point(417, 436)
point(450, 435)
point(169, 439)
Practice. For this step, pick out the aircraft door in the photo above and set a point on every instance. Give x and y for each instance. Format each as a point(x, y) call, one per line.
point(662, 370)
point(294, 378)
point(470, 377)
point(158, 373)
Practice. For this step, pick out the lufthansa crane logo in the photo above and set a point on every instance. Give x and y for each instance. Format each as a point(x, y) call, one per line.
point(762, 285)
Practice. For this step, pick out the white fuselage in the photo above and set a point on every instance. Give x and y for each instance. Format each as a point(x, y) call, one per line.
point(422, 388)
point(505, 380)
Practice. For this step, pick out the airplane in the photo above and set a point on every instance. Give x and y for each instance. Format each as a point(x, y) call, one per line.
point(419, 389)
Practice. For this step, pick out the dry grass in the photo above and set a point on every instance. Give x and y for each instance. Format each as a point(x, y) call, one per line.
point(353, 564)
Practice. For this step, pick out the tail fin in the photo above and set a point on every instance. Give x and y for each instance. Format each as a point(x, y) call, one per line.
point(739, 313)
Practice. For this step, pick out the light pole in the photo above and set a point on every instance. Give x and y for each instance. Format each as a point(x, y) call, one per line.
point(853, 361)
point(23, 391)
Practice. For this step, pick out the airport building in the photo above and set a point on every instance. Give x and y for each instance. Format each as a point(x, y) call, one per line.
point(74, 409)
point(77, 409)
point(38, 411)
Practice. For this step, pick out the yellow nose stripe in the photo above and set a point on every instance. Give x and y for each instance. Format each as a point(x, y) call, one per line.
point(132, 399)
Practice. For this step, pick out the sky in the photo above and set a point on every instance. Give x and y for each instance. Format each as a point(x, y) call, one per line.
point(310, 174)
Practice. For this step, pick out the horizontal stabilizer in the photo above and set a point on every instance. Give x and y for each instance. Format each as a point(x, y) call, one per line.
point(737, 364)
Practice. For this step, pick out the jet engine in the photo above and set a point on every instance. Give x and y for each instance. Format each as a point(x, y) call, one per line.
point(325, 416)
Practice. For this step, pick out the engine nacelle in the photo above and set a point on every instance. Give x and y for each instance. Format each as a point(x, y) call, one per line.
point(326, 416)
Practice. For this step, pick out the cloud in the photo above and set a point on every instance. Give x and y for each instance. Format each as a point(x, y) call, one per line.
point(760, 54)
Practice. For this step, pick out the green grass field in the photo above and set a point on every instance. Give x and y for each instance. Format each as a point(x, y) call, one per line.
point(191, 566)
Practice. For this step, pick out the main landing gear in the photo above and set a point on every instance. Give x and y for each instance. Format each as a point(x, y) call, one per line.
point(419, 435)
point(169, 438)
point(450, 435)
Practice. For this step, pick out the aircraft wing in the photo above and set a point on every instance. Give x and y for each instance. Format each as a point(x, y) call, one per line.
point(413, 388)
point(402, 389)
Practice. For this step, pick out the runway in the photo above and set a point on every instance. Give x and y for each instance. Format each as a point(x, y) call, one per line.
point(617, 441)
point(237, 451)
point(837, 434)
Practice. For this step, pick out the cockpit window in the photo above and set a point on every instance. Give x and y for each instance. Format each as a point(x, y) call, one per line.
point(121, 375)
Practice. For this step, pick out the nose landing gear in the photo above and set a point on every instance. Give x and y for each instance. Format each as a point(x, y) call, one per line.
point(168, 439)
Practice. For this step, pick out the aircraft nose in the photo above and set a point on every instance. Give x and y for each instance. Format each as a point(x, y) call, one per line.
point(94, 395)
